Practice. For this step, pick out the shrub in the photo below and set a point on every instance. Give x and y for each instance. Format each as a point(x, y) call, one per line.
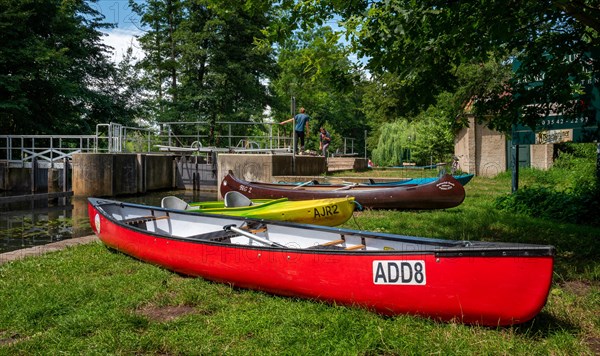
point(568, 192)
point(579, 206)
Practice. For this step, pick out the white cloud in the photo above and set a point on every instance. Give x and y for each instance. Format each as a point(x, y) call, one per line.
point(121, 39)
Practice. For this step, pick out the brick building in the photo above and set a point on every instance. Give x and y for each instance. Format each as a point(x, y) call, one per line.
point(485, 152)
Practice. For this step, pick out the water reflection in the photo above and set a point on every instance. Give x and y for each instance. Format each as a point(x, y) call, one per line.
point(39, 222)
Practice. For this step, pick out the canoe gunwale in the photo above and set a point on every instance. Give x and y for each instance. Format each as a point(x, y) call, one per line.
point(439, 247)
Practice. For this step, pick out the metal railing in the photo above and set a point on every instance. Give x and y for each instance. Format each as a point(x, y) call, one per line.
point(247, 135)
point(50, 151)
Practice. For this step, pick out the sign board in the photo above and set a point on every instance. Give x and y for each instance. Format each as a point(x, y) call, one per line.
point(557, 128)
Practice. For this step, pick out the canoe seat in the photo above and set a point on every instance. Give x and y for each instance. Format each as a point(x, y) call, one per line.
point(235, 199)
point(172, 202)
point(333, 243)
point(355, 247)
point(329, 245)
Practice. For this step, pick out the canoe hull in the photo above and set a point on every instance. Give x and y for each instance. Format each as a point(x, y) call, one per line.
point(444, 193)
point(325, 212)
point(457, 285)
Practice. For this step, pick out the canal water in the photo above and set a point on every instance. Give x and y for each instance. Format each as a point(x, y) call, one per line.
point(39, 222)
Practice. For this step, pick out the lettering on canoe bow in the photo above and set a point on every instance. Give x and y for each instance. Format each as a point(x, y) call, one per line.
point(246, 189)
point(399, 272)
point(97, 223)
point(445, 186)
point(328, 210)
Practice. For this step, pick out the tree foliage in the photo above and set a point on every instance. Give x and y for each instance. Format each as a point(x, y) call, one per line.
point(53, 69)
point(424, 43)
point(425, 139)
point(201, 60)
point(394, 144)
point(315, 69)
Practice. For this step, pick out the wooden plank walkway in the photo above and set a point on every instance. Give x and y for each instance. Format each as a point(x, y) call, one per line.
point(39, 250)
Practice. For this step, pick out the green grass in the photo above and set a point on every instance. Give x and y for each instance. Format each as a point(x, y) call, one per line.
point(91, 300)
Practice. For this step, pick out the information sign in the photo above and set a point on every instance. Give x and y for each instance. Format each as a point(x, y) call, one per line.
point(557, 128)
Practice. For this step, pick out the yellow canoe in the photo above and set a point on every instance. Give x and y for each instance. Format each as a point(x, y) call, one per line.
point(326, 212)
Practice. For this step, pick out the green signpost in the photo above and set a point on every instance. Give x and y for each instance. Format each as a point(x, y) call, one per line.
point(557, 128)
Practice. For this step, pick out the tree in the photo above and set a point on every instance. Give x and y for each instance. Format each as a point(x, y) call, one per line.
point(434, 133)
point(204, 64)
point(53, 66)
point(160, 63)
point(394, 144)
point(425, 139)
point(316, 71)
point(424, 43)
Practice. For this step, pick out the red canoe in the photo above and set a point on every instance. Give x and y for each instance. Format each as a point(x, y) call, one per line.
point(483, 283)
point(446, 192)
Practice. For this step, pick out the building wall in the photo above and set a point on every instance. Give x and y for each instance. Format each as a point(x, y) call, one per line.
point(483, 151)
point(542, 156)
point(491, 152)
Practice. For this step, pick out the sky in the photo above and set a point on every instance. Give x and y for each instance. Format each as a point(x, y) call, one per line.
point(127, 27)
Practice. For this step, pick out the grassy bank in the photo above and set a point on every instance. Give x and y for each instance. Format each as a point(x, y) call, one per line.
point(90, 300)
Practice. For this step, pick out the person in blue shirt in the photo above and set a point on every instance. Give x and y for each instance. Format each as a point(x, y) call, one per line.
point(301, 128)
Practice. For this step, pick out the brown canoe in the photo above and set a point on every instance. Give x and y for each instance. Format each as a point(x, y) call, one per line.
point(446, 192)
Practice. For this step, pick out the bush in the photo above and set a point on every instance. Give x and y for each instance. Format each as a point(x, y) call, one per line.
point(579, 206)
point(568, 192)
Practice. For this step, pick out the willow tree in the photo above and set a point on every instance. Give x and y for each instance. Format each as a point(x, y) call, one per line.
point(396, 140)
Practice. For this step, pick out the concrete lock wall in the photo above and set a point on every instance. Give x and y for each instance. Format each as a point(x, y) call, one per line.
point(24, 179)
point(260, 167)
point(3, 176)
point(125, 171)
point(158, 171)
point(100, 174)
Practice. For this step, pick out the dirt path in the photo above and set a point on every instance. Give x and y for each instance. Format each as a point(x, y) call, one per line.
point(39, 250)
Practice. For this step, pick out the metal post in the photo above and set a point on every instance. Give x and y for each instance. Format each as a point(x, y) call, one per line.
point(598, 165)
point(365, 141)
point(293, 110)
point(51, 153)
point(33, 174)
point(65, 180)
point(169, 128)
point(515, 170)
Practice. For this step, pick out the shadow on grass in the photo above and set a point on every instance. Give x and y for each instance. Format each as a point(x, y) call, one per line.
point(544, 326)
